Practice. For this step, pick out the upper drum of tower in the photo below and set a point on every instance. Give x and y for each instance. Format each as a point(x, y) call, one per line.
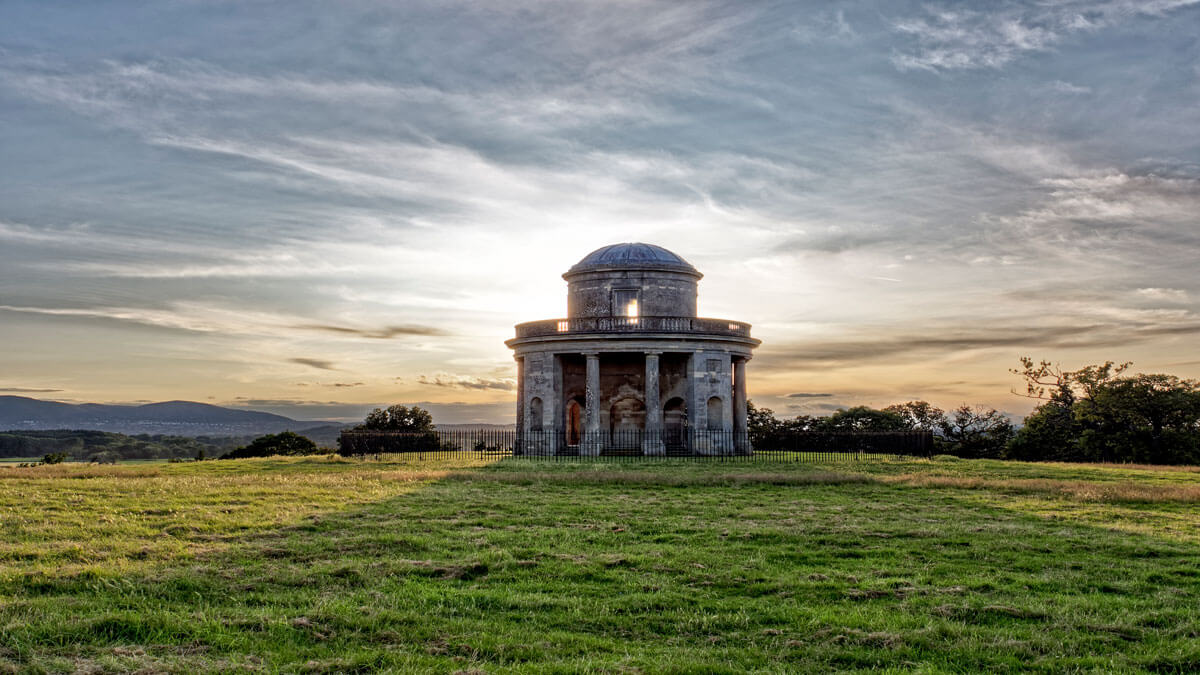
point(632, 256)
point(631, 280)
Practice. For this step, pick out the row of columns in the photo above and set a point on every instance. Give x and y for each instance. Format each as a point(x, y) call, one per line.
point(653, 443)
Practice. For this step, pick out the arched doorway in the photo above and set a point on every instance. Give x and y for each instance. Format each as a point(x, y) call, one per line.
point(675, 424)
point(574, 421)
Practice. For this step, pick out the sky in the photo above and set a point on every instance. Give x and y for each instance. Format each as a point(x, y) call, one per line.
point(318, 208)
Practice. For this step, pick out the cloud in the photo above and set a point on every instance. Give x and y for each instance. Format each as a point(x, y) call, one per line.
point(1068, 88)
point(465, 382)
point(246, 401)
point(948, 340)
point(823, 27)
point(313, 363)
point(302, 409)
point(207, 318)
point(806, 408)
point(807, 395)
point(1109, 216)
point(1163, 294)
point(25, 390)
point(383, 333)
point(946, 38)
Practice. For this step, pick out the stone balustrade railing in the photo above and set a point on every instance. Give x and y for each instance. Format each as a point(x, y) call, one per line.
point(633, 324)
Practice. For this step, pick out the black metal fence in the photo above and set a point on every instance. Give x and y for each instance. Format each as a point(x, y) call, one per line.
point(810, 446)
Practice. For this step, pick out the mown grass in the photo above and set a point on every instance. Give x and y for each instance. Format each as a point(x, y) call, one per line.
point(326, 565)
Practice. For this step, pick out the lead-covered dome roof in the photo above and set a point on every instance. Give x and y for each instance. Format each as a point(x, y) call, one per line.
point(632, 255)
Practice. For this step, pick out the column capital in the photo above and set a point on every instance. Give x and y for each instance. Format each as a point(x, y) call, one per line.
point(591, 355)
point(652, 353)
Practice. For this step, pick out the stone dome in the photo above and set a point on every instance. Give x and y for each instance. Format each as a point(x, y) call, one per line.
point(632, 255)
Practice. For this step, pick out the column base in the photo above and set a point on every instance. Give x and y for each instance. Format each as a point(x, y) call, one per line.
point(712, 444)
point(540, 446)
point(592, 444)
point(653, 446)
point(742, 445)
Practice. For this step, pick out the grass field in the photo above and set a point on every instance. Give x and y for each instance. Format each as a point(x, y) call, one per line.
point(326, 565)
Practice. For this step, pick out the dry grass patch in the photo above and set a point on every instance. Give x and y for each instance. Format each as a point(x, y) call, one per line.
point(1109, 493)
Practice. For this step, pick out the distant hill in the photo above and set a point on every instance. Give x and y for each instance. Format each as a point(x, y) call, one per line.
point(181, 418)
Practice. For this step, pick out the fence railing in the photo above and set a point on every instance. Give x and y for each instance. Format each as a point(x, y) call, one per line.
point(633, 324)
point(678, 443)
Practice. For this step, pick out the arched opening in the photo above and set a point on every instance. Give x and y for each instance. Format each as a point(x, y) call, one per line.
point(716, 414)
point(627, 418)
point(574, 421)
point(535, 414)
point(674, 424)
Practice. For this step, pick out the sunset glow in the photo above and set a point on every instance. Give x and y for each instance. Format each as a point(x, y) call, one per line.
point(901, 198)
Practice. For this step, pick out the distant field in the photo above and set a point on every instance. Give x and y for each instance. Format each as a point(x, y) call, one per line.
point(333, 565)
point(8, 461)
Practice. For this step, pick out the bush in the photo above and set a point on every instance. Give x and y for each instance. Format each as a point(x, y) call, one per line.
point(284, 443)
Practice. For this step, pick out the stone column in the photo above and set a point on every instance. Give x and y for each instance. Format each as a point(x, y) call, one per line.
point(555, 407)
point(740, 438)
point(593, 441)
point(519, 440)
point(652, 441)
point(699, 440)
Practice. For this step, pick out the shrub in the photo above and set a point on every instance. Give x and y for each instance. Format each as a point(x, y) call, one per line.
point(284, 443)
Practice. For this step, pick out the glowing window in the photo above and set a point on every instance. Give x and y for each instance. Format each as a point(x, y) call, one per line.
point(625, 303)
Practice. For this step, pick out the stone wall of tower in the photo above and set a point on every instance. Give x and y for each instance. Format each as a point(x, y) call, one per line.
point(712, 377)
point(662, 293)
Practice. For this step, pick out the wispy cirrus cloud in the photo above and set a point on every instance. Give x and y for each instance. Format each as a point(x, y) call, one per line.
point(381, 333)
point(207, 318)
point(467, 382)
point(1118, 327)
point(951, 37)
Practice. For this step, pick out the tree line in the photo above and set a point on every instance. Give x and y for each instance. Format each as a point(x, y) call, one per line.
point(106, 446)
point(1098, 413)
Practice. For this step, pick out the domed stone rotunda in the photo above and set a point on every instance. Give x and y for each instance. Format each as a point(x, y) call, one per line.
point(632, 369)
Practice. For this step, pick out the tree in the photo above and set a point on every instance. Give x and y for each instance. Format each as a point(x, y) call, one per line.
point(1050, 433)
point(1143, 418)
point(398, 418)
point(1098, 413)
point(1048, 381)
point(397, 428)
point(283, 443)
point(863, 418)
point(761, 420)
point(920, 415)
point(976, 432)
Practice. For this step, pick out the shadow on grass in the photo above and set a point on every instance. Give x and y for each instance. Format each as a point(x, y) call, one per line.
point(589, 568)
